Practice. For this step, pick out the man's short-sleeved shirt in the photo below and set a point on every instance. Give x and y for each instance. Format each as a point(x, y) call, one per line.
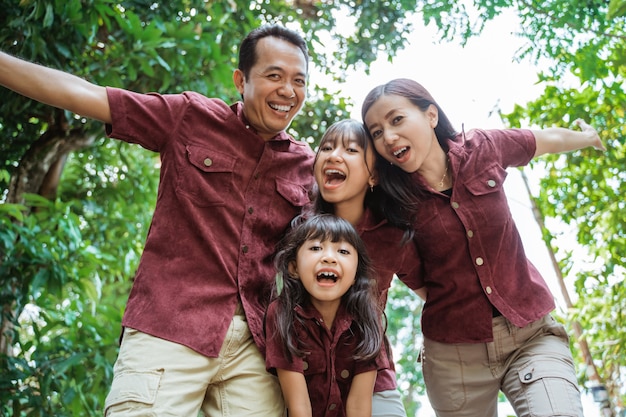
point(225, 197)
point(471, 250)
point(329, 365)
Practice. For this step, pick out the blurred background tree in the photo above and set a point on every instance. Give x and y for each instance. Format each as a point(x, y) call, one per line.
point(76, 207)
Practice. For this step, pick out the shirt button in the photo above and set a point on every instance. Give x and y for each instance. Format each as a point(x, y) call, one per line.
point(488, 290)
point(250, 210)
point(455, 205)
point(345, 374)
point(479, 261)
point(244, 249)
point(208, 162)
point(305, 365)
point(528, 377)
point(491, 183)
point(332, 406)
point(470, 233)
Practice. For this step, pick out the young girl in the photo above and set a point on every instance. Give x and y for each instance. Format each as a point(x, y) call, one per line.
point(324, 331)
point(486, 320)
point(346, 179)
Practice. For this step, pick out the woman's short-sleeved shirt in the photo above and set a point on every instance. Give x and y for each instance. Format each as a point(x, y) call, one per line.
point(470, 247)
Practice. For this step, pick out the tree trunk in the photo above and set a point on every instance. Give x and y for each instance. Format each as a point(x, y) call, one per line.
point(592, 371)
point(38, 172)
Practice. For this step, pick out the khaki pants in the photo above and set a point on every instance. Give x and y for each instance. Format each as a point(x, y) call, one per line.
point(154, 377)
point(388, 404)
point(533, 366)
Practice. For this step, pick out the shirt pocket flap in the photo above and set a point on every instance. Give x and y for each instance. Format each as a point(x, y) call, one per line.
point(210, 160)
point(294, 193)
point(540, 369)
point(487, 181)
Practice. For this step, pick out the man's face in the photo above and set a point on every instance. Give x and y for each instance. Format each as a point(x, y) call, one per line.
point(276, 88)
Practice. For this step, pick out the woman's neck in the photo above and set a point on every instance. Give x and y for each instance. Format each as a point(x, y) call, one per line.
point(436, 170)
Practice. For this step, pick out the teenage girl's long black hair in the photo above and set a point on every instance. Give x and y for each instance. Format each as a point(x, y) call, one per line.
point(377, 199)
point(361, 299)
point(397, 183)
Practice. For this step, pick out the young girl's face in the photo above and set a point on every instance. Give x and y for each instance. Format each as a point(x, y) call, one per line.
point(403, 134)
point(327, 270)
point(342, 169)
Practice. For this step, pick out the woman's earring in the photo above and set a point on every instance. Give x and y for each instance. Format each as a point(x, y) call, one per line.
point(371, 188)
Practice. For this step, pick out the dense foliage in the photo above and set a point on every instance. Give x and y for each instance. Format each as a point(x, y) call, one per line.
point(76, 206)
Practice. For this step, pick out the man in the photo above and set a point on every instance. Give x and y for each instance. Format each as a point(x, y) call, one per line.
point(231, 180)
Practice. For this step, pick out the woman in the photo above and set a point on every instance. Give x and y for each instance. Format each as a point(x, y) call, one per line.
point(486, 320)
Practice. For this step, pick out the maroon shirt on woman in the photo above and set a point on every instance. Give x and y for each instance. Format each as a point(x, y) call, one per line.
point(471, 250)
point(225, 197)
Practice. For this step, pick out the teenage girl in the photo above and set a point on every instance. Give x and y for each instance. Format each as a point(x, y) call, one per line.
point(346, 179)
point(486, 321)
point(324, 330)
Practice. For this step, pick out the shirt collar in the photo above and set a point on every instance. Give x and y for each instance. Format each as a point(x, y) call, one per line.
point(238, 110)
point(368, 222)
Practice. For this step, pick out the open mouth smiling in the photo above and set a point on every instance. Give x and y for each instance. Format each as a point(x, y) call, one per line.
point(399, 153)
point(281, 107)
point(333, 177)
point(327, 277)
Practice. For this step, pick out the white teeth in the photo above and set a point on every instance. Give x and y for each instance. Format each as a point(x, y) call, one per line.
point(327, 274)
point(333, 172)
point(399, 151)
point(280, 108)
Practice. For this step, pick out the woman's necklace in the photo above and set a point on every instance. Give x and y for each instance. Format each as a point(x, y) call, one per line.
point(445, 174)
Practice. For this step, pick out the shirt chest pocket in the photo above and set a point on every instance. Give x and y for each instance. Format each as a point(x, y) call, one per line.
point(287, 200)
point(487, 181)
point(206, 176)
point(488, 196)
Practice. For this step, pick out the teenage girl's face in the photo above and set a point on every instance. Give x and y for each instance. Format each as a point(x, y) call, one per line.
point(327, 270)
point(341, 169)
point(402, 133)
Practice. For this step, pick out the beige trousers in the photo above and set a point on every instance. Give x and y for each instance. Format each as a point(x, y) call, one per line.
point(533, 366)
point(154, 377)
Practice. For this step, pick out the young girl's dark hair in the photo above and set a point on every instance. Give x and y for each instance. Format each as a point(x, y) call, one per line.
point(376, 200)
point(393, 180)
point(361, 300)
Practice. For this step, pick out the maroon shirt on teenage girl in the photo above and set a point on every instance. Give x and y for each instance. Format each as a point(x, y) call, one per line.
point(329, 366)
point(389, 257)
point(471, 250)
point(225, 197)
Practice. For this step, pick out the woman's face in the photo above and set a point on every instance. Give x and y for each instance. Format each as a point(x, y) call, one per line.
point(343, 169)
point(402, 133)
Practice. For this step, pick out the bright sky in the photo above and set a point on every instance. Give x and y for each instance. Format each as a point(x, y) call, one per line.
point(469, 83)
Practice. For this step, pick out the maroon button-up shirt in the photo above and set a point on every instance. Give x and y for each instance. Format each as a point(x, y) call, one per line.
point(328, 366)
point(225, 197)
point(472, 253)
point(389, 257)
